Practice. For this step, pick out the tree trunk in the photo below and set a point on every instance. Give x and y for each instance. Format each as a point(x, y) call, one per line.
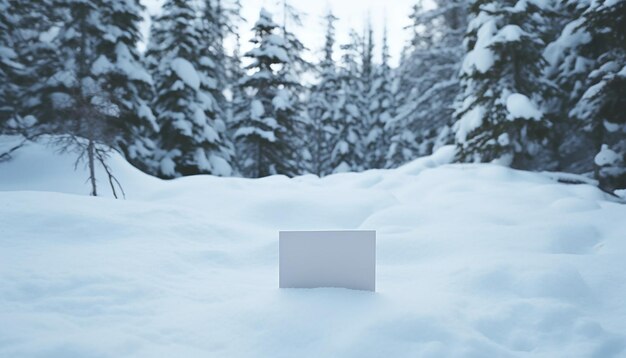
point(91, 154)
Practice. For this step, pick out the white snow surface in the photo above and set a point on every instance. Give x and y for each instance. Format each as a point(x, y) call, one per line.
point(473, 261)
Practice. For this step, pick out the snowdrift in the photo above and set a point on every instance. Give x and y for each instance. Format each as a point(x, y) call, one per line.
point(473, 261)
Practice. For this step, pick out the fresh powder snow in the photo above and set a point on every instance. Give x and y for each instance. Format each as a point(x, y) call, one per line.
point(473, 261)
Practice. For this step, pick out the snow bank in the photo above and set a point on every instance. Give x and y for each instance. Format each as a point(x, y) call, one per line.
point(473, 261)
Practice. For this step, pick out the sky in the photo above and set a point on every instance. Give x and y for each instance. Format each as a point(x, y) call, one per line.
point(351, 14)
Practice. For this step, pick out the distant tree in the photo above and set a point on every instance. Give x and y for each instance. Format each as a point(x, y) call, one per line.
point(216, 22)
point(347, 154)
point(292, 72)
point(266, 120)
point(429, 81)
point(368, 67)
point(10, 64)
point(382, 108)
point(322, 102)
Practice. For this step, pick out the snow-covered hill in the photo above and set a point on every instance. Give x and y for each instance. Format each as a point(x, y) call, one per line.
point(473, 261)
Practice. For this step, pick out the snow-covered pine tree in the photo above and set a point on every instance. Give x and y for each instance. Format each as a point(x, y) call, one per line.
point(188, 142)
point(59, 61)
point(120, 70)
point(382, 109)
point(603, 102)
point(29, 61)
point(228, 13)
point(367, 123)
point(215, 25)
point(239, 103)
point(429, 81)
point(292, 72)
point(265, 121)
point(80, 41)
point(347, 154)
point(500, 116)
point(10, 64)
point(73, 99)
point(568, 67)
point(367, 57)
point(39, 23)
point(322, 103)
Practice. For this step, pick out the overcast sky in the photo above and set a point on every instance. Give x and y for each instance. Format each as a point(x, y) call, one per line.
point(351, 13)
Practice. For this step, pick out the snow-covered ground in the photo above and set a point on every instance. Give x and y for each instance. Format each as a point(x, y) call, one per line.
point(473, 261)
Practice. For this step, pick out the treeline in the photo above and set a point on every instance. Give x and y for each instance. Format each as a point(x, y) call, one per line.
point(533, 84)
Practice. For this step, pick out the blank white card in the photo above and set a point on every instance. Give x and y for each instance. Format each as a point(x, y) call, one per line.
point(311, 259)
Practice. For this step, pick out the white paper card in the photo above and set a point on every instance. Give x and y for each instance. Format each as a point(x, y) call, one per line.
point(311, 259)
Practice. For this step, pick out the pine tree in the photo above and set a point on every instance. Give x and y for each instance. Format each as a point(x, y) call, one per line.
point(367, 57)
point(81, 102)
point(382, 109)
point(602, 104)
point(347, 154)
point(322, 102)
point(10, 64)
point(265, 123)
point(500, 116)
point(214, 26)
point(29, 59)
point(189, 143)
point(292, 73)
point(68, 59)
point(239, 103)
point(42, 58)
point(78, 75)
point(568, 67)
point(119, 67)
point(429, 81)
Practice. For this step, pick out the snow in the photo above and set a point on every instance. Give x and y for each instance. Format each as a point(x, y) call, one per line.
point(474, 260)
point(101, 65)
point(251, 131)
point(129, 66)
point(470, 121)
point(256, 109)
point(509, 33)
point(146, 113)
point(220, 166)
point(281, 101)
point(49, 35)
point(481, 58)
point(606, 157)
point(210, 134)
point(520, 106)
point(186, 72)
point(7, 53)
point(199, 117)
point(168, 167)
